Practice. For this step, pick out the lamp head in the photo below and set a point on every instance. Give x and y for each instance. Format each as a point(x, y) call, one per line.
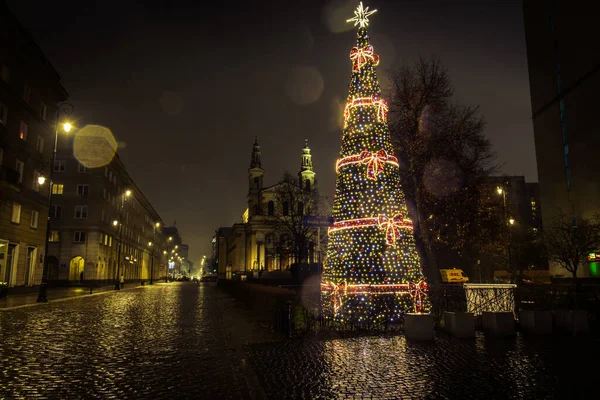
point(499, 190)
point(115, 222)
point(67, 127)
point(41, 179)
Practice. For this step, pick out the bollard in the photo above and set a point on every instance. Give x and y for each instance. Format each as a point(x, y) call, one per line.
point(289, 317)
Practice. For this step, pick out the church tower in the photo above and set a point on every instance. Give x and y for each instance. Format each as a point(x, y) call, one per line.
point(306, 174)
point(255, 180)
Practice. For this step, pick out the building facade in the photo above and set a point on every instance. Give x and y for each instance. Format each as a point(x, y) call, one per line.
point(564, 77)
point(258, 243)
point(30, 90)
point(102, 225)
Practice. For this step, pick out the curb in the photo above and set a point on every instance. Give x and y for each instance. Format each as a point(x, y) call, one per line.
point(69, 298)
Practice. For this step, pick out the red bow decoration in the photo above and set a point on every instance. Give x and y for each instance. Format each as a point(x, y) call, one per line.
point(360, 57)
point(417, 293)
point(391, 226)
point(336, 296)
point(375, 162)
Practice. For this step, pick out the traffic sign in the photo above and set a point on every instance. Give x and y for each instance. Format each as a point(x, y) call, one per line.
point(316, 221)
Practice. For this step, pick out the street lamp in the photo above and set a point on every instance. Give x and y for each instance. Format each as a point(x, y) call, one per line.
point(120, 244)
point(167, 266)
point(64, 109)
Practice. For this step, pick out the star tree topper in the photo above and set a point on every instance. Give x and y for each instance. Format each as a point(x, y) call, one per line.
point(361, 16)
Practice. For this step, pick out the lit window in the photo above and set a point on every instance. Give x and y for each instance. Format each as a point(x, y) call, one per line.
point(16, 213)
point(23, 129)
point(53, 236)
point(36, 184)
point(34, 219)
point(58, 188)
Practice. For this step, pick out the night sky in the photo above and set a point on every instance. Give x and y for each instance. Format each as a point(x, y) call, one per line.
point(185, 87)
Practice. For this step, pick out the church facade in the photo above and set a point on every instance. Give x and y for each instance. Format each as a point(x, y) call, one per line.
point(260, 241)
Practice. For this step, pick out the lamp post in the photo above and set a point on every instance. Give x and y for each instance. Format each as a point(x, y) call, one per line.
point(156, 225)
point(120, 243)
point(65, 109)
point(167, 257)
point(509, 221)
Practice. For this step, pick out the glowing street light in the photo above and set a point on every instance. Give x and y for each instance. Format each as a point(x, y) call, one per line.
point(511, 221)
point(115, 222)
point(61, 109)
point(499, 190)
point(128, 193)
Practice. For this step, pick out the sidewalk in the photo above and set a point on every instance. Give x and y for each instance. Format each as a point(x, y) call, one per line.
point(57, 293)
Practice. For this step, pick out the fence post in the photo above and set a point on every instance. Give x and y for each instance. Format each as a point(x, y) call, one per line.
point(289, 317)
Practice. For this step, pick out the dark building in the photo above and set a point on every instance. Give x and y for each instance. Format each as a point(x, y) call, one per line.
point(564, 76)
point(94, 212)
point(30, 90)
point(178, 252)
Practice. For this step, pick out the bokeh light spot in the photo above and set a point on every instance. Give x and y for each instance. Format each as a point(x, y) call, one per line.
point(171, 102)
point(304, 85)
point(94, 146)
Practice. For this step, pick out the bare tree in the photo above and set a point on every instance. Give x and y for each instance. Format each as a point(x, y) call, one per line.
point(291, 203)
point(444, 154)
point(570, 240)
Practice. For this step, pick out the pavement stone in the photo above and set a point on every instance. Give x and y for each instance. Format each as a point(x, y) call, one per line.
point(161, 342)
point(183, 340)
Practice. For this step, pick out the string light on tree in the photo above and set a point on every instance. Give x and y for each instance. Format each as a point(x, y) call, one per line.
point(373, 272)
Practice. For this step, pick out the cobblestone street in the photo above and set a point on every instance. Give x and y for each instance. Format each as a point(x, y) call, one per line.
point(163, 341)
point(191, 341)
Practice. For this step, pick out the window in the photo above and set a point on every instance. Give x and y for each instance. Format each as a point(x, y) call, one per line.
point(83, 190)
point(114, 180)
point(79, 237)
point(110, 241)
point(16, 213)
point(36, 184)
point(58, 188)
point(60, 166)
point(106, 240)
point(307, 184)
point(271, 208)
point(286, 208)
point(43, 110)
point(3, 114)
point(300, 208)
point(40, 144)
point(19, 168)
point(56, 212)
point(81, 168)
point(26, 93)
point(81, 212)
point(4, 73)
point(23, 129)
point(104, 193)
point(256, 183)
point(53, 236)
point(106, 172)
point(34, 219)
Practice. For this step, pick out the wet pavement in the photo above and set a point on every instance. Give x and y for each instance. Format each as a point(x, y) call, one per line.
point(392, 368)
point(182, 340)
point(160, 342)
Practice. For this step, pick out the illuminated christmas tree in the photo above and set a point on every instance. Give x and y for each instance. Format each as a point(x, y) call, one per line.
point(373, 272)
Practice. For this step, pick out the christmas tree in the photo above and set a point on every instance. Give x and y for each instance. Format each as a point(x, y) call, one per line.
point(373, 272)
